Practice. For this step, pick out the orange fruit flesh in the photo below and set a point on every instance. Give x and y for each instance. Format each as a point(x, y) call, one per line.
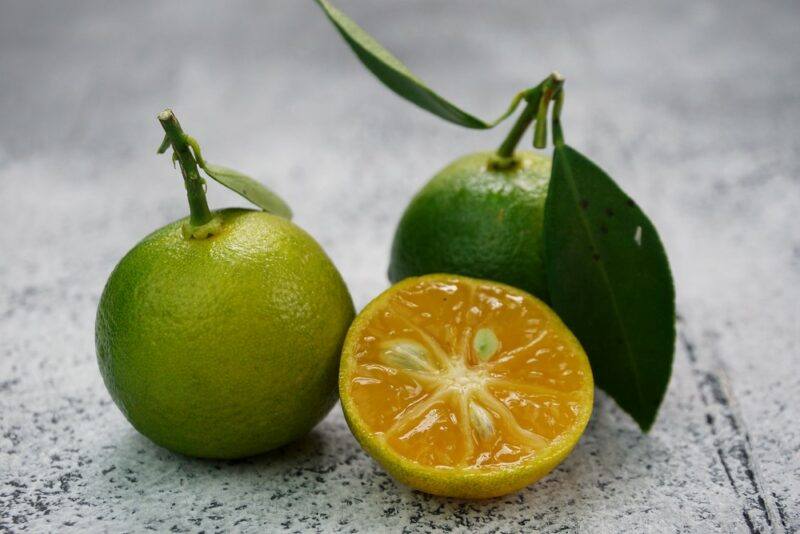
point(451, 372)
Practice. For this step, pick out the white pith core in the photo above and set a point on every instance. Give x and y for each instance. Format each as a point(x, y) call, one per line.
point(468, 385)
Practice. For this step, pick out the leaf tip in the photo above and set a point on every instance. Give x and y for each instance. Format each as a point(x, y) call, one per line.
point(645, 423)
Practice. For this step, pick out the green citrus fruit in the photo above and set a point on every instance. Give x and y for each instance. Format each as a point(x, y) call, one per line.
point(226, 346)
point(462, 387)
point(478, 220)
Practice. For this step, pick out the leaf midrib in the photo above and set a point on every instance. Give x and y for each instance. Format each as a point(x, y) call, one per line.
point(607, 283)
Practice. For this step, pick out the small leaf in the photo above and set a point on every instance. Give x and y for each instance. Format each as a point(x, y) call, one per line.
point(399, 79)
point(165, 144)
point(249, 188)
point(610, 282)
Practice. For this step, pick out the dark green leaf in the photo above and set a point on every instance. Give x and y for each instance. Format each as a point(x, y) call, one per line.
point(610, 282)
point(249, 188)
point(398, 78)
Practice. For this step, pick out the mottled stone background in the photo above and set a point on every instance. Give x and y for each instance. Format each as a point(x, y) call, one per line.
point(693, 106)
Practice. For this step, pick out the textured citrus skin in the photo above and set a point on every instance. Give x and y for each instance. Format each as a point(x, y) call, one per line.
point(228, 346)
point(477, 221)
point(455, 482)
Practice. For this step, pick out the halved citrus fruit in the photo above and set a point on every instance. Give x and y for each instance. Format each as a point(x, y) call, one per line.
point(464, 387)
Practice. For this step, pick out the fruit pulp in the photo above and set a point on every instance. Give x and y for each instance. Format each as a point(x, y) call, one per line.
point(461, 373)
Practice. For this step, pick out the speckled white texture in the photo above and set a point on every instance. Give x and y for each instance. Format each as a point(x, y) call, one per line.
point(693, 107)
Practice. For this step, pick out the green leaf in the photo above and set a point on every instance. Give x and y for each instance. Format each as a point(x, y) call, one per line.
point(610, 282)
point(249, 188)
point(399, 79)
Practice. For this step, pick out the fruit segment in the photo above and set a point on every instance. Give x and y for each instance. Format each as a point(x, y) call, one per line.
point(459, 373)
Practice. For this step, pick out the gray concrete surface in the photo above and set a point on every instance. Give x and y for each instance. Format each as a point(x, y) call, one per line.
point(693, 106)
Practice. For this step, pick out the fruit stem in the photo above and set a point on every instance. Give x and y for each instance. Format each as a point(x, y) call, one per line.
point(558, 133)
point(527, 116)
point(199, 214)
point(538, 101)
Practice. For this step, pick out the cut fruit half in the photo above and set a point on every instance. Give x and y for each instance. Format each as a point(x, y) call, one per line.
point(463, 387)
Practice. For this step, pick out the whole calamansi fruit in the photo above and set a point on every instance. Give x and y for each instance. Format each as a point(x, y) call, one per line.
point(480, 217)
point(219, 335)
